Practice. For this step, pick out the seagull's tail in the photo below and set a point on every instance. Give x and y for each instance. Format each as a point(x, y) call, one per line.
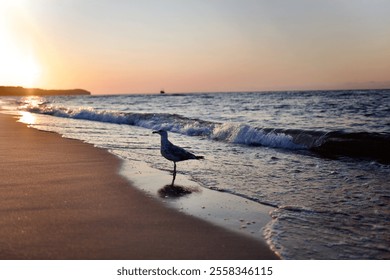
point(199, 157)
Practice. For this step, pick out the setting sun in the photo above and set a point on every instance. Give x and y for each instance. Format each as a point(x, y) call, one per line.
point(29, 71)
point(18, 67)
point(19, 62)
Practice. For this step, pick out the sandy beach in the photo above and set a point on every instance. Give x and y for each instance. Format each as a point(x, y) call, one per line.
point(64, 199)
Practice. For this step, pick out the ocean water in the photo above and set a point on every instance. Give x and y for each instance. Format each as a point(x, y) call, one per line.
point(320, 158)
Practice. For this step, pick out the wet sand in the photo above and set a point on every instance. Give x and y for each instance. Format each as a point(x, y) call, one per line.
point(64, 199)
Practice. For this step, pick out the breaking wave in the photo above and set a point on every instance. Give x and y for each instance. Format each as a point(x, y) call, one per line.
point(374, 146)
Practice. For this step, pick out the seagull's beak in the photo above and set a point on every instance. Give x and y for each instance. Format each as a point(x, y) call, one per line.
point(155, 132)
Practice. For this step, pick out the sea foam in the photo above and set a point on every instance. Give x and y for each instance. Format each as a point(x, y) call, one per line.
point(225, 132)
point(328, 143)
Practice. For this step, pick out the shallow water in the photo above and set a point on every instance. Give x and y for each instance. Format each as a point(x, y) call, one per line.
point(321, 158)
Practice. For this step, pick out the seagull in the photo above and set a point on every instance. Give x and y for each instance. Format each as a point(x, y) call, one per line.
point(172, 152)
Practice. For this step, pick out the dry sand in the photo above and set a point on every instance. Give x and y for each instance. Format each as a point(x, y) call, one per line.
point(64, 199)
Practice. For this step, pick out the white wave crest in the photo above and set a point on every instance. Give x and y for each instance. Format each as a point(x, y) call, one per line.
point(252, 136)
point(225, 132)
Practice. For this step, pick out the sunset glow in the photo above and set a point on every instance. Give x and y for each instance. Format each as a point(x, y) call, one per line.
point(20, 70)
point(183, 46)
point(19, 64)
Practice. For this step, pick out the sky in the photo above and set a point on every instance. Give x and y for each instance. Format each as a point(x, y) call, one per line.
point(129, 46)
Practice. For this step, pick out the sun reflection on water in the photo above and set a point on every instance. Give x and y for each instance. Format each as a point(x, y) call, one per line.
point(26, 103)
point(27, 118)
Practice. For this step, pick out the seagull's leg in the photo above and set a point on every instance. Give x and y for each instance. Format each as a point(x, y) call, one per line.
point(174, 173)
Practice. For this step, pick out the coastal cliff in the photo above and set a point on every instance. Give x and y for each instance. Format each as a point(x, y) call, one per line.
point(21, 91)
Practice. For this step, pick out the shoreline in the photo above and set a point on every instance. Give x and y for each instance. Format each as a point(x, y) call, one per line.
point(65, 199)
point(230, 211)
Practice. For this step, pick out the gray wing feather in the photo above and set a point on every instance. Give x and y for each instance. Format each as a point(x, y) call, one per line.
point(178, 154)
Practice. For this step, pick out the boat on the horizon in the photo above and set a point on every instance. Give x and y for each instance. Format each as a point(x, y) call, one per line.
point(162, 91)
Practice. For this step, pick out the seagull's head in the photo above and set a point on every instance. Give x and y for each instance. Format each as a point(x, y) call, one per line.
point(162, 132)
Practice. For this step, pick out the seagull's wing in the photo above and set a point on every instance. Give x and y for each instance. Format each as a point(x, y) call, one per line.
point(179, 153)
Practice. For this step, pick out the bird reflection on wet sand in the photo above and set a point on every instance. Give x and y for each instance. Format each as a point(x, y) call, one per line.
point(172, 191)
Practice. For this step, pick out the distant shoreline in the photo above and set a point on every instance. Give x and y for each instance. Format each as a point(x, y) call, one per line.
point(21, 91)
